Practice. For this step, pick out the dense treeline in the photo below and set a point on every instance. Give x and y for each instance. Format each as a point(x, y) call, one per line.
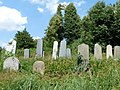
point(101, 25)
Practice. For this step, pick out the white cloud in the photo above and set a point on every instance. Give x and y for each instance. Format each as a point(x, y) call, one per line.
point(11, 19)
point(35, 38)
point(1, 2)
point(40, 9)
point(3, 44)
point(52, 5)
point(79, 3)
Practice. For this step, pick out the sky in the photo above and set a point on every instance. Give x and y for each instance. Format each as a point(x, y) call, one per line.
point(35, 15)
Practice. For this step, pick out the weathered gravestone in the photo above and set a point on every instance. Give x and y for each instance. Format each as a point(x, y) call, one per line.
point(97, 52)
point(11, 63)
point(39, 50)
point(26, 53)
point(39, 67)
point(11, 47)
point(117, 52)
point(109, 52)
point(62, 52)
point(83, 50)
point(55, 50)
point(68, 53)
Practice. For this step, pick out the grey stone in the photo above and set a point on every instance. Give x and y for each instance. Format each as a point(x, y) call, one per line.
point(55, 50)
point(117, 52)
point(62, 52)
point(39, 67)
point(97, 52)
point(83, 50)
point(68, 53)
point(39, 50)
point(26, 53)
point(11, 63)
point(109, 52)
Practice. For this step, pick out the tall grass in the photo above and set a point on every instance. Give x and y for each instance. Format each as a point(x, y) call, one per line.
point(61, 75)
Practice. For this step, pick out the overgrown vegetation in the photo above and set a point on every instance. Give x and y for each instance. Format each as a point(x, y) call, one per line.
point(61, 74)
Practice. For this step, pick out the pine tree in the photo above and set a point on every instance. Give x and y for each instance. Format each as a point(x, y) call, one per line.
point(55, 28)
point(24, 40)
point(71, 23)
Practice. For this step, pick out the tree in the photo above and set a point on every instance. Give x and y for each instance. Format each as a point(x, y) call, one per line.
point(102, 17)
point(24, 40)
point(55, 28)
point(71, 23)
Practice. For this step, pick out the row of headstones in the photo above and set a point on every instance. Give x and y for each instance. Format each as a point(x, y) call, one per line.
point(63, 52)
point(83, 49)
point(13, 63)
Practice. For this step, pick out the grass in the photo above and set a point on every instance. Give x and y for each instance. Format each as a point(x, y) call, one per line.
point(62, 75)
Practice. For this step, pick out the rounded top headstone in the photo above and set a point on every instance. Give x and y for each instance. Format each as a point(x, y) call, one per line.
point(11, 63)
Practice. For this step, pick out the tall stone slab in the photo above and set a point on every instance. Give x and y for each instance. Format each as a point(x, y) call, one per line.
point(109, 52)
point(68, 53)
point(62, 52)
point(83, 50)
point(11, 63)
point(55, 50)
point(117, 52)
point(26, 53)
point(11, 47)
point(39, 50)
point(97, 52)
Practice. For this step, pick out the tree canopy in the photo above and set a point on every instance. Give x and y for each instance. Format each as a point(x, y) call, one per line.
point(24, 40)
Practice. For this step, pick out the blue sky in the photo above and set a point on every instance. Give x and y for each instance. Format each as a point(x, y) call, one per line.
point(34, 15)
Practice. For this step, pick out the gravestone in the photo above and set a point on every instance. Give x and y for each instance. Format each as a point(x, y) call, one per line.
point(11, 63)
point(39, 50)
point(83, 50)
point(55, 50)
point(62, 52)
point(117, 52)
point(39, 67)
point(26, 53)
point(109, 52)
point(11, 47)
point(68, 53)
point(97, 52)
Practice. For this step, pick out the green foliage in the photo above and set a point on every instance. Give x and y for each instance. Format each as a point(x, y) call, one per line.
point(24, 40)
point(55, 29)
point(60, 75)
point(71, 23)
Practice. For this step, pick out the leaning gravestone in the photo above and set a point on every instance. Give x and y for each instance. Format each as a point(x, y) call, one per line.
point(117, 52)
point(39, 50)
point(39, 67)
point(83, 50)
point(55, 50)
point(11, 63)
point(62, 52)
point(97, 52)
point(68, 53)
point(26, 53)
point(109, 52)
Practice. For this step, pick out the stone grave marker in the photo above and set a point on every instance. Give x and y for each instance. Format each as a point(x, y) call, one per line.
point(39, 50)
point(11, 63)
point(55, 50)
point(97, 52)
point(68, 53)
point(109, 52)
point(117, 52)
point(83, 50)
point(62, 52)
point(26, 53)
point(39, 67)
